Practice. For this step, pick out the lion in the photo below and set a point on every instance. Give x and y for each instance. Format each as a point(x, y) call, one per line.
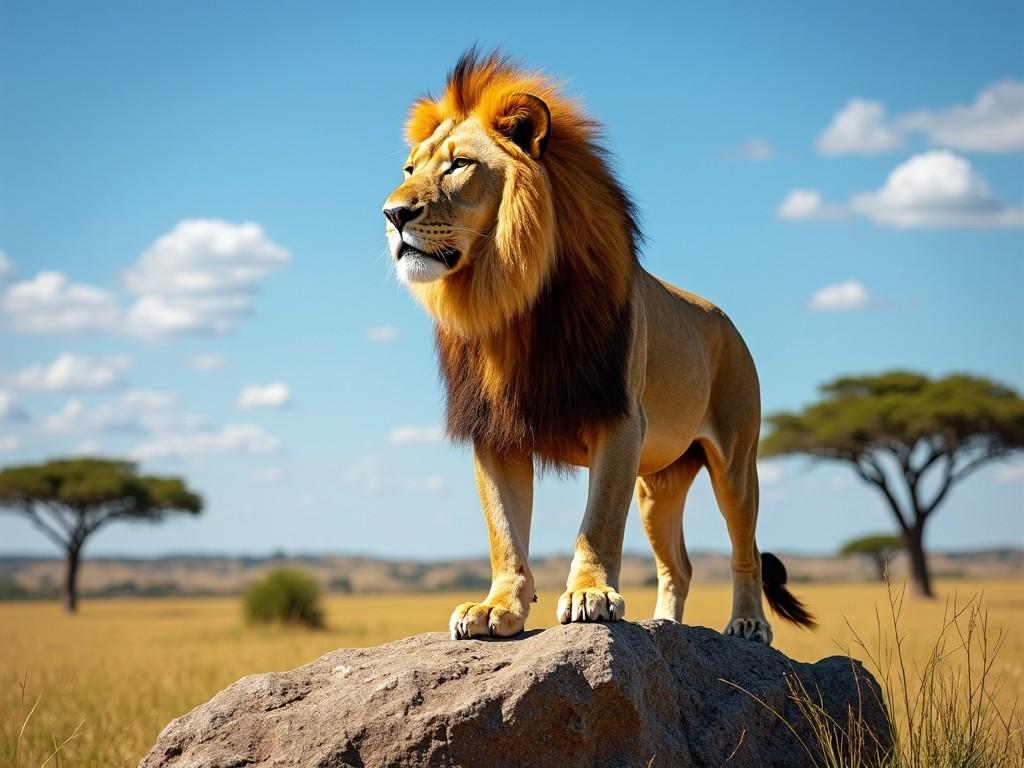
point(558, 350)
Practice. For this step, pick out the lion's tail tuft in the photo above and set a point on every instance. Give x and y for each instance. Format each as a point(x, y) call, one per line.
point(782, 601)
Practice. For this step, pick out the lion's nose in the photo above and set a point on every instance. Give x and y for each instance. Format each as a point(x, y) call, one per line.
point(400, 215)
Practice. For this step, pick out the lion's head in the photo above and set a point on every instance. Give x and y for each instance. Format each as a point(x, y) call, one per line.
point(505, 186)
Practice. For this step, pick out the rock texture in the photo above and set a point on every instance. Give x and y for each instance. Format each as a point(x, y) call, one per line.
point(625, 694)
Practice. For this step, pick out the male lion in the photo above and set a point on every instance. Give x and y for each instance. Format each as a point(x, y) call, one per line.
point(557, 348)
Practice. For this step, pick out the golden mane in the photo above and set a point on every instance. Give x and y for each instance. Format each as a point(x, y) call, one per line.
point(533, 333)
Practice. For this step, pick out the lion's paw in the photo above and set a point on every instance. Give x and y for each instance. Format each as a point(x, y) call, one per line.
point(758, 630)
point(483, 620)
point(590, 604)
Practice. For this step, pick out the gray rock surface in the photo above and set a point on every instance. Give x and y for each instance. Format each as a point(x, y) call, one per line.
point(625, 694)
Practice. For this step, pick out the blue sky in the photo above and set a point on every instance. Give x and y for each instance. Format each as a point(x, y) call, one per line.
point(846, 181)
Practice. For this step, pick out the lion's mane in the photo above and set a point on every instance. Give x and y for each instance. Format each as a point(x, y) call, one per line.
point(533, 334)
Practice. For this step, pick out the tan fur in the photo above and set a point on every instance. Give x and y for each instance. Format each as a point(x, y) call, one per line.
point(557, 347)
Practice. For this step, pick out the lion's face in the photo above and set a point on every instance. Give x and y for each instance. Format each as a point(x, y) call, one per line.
point(448, 205)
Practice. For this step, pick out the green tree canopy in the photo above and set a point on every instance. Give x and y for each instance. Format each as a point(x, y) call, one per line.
point(911, 437)
point(70, 499)
point(877, 547)
point(868, 545)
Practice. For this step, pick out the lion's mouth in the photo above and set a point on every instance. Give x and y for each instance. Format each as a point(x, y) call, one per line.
point(447, 256)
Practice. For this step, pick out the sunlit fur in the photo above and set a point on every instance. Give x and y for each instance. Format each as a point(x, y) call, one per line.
point(538, 319)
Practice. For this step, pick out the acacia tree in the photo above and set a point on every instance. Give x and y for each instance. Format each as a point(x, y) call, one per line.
point(69, 500)
point(910, 437)
point(878, 548)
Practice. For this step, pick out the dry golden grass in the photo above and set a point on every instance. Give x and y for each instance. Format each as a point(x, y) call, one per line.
point(124, 668)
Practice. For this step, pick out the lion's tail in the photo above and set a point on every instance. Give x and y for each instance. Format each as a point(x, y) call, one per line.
point(782, 601)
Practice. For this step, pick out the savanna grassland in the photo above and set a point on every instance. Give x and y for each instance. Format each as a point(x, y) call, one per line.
point(114, 675)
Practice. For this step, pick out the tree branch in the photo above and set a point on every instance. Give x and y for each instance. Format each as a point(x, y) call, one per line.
point(26, 509)
point(951, 475)
point(872, 472)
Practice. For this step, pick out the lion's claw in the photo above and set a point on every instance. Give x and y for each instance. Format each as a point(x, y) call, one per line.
point(590, 604)
point(758, 630)
point(482, 620)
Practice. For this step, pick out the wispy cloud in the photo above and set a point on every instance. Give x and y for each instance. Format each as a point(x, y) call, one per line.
point(207, 362)
point(70, 372)
point(382, 333)
point(755, 150)
point(273, 395)
point(6, 267)
point(10, 409)
point(229, 439)
point(136, 410)
point(993, 122)
point(416, 434)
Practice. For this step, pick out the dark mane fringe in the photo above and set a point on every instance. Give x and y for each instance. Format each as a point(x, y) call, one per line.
point(563, 360)
point(568, 376)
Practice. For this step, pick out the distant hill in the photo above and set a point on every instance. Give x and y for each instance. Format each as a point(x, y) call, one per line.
point(28, 577)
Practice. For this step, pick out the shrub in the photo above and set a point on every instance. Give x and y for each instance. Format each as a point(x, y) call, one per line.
point(285, 595)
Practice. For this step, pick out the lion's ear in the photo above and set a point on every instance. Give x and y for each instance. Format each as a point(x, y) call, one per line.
point(525, 120)
point(424, 117)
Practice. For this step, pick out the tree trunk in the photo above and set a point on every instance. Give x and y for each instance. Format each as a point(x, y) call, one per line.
point(914, 538)
point(71, 579)
point(881, 561)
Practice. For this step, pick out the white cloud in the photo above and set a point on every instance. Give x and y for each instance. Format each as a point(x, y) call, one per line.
point(231, 438)
point(859, 127)
point(414, 434)
point(382, 333)
point(10, 410)
point(200, 277)
point(51, 303)
point(937, 189)
point(74, 372)
point(133, 411)
point(6, 267)
point(848, 295)
point(208, 362)
point(8, 443)
point(808, 205)
point(273, 395)
point(993, 123)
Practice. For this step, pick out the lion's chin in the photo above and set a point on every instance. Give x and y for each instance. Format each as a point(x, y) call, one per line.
point(418, 268)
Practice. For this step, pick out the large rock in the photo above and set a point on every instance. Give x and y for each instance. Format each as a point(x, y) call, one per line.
point(647, 694)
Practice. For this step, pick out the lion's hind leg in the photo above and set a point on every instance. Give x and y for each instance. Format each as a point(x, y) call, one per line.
point(661, 498)
point(734, 480)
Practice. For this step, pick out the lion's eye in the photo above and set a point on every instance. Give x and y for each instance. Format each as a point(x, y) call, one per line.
point(459, 162)
point(408, 169)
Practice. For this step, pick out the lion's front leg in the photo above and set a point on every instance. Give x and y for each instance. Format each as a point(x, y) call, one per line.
point(592, 588)
point(506, 493)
